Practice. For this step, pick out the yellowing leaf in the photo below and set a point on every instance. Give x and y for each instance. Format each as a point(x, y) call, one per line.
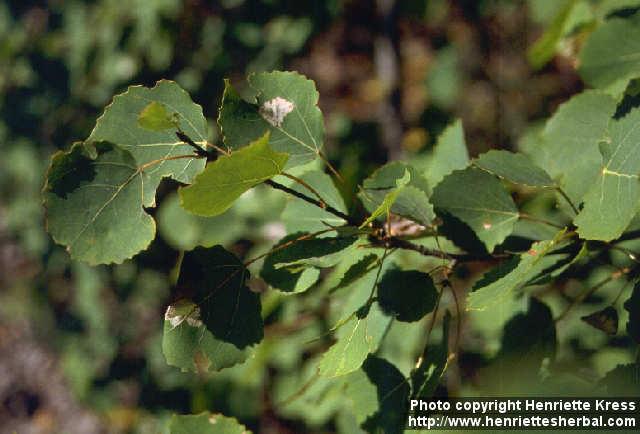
point(155, 117)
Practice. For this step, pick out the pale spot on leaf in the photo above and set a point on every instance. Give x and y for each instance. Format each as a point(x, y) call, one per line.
point(275, 110)
point(213, 420)
point(486, 226)
point(175, 318)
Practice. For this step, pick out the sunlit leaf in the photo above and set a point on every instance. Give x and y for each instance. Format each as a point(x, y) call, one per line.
point(350, 350)
point(356, 271)
point(397, 188)
point(568, 147)
point(127, 121)
point(612, 200)
point(530, 264)
point(224, 180)
point(479, 200)
point(155, 117)
point(449, 154)
point(285, 105)
point(513, 167)
point(292, 266)
point(573, 14)
point(611, 54)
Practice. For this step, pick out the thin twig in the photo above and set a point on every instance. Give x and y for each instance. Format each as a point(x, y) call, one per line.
point(432, 322)
point(375, 282)
point(583, 296)
point(198, 149)
point(288, 244)
point(384, 239)
point(331, 168)
point(529, 217)
point(300, 391)
point(219, 149)
point(631, 235)
point(312, 201)
point(568, 199)
point(302, 182)
point(458, 316)
point(630, 254)
point(426, 251)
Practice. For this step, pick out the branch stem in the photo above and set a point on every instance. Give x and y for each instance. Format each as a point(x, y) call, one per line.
point(328, 208)
point(307, 186)
point(198, 149)
point(532, 218)
point(568, 199)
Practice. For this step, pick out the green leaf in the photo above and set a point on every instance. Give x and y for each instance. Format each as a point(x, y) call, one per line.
point(400, 189)
point(285, 105)
point(300, 216)
point(611, 54)
point(94, 202)
point(286, 268)
point(205, 423)
point(316, 402)
point(568, 150)
point(350, 350)
point(188, 345)
point(224, 180)
point(612, 201)
point(230, 312)
point(513, 277)
point(185, 231)
point(433, 363)
point(407, 295)
point(156, 117)
point(572, 14)
point(126, 120)
point(561, 262)
point(632, 305)
point(514, 167)
point(360, 330)
point(605, 319)
point(379, 396)
point(449, 154)
point(358, 296)
point(623, 380)
point(388, 177)
point(356, 271)
point(480, 201)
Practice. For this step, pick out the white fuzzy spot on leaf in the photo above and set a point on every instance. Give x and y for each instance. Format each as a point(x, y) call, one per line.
point(175, 318)
point(275, 110)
